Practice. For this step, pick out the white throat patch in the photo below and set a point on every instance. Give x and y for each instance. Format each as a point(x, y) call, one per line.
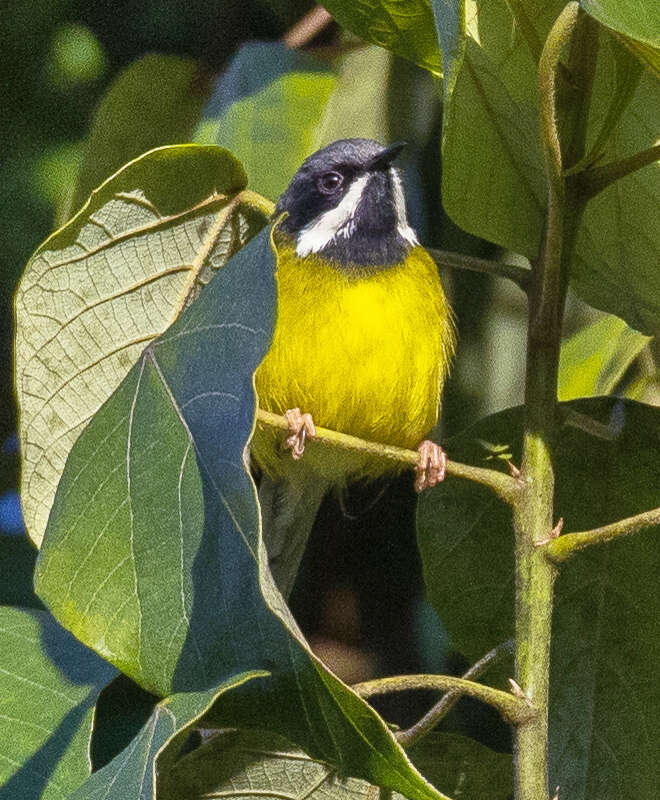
point(338, 221)
point(403, 228)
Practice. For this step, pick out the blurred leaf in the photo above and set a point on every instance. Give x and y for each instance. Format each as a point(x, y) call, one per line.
point(153, 554)
point(407, 29)
point(639, 22)
point(157, 100)
point(132, 774)
point(98, 290)
point(358, 103)
point(49, 684)
point(265, 109)
point(605, 696)
point(76, 56)
point(235, 763)
point(594, 359)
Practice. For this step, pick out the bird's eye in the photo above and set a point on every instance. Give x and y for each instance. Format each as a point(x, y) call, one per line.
point(330, 182)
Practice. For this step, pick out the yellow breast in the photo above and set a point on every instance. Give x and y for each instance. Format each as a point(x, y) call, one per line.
point(365, 354)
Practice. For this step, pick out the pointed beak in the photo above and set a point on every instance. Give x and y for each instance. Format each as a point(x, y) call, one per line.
point(386, 156)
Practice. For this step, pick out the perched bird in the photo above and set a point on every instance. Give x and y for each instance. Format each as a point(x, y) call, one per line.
point(362, 344)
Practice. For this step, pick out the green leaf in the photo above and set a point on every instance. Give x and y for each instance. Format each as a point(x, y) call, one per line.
point(235, 763)
point(156, 100)
point(615, 266)
point(636, 20)
point(594, 359)
point(407, 29)
point(265, 109)
point(153, 553)
point(49, 684)
point(98, 290)
point(132, 774)
point(606, 624)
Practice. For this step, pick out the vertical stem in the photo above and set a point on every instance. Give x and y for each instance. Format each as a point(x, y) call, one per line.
point(533, 517)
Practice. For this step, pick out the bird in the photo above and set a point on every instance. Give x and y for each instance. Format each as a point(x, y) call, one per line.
point(363, 340)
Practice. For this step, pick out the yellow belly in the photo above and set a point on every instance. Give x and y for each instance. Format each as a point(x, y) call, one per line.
point(366, 354)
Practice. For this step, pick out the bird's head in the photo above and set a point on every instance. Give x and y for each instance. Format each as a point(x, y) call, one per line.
point(346, 204)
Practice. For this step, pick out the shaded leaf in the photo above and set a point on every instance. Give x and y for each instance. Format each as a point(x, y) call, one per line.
point(156, 100)
point(639, 22)
point(594, 359)
point(153, 553)
point(49, 684)
point(235, 763)
point(265, 108)
point(605, 696)
point(132, 774)
point(98, 290)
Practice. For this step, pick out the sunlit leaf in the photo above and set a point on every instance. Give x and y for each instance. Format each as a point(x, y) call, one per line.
point(153, 554)
point(49, 684)
point(605, 696)
point(98, 290)
point(235, 763)
point(265, 108)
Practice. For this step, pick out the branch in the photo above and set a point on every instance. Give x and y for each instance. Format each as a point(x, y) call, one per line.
point(560, 549)
point(519, 275)
point(514, 709)
point(307, 28)
point(504, 486)
point(592, 181)
point(432, 717)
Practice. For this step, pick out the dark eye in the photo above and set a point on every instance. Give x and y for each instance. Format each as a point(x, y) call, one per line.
point(329, 182)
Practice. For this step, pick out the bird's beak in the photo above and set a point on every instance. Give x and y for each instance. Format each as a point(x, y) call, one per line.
point(386, 156)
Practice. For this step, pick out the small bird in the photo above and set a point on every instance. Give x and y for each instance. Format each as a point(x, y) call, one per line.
point(362, 344)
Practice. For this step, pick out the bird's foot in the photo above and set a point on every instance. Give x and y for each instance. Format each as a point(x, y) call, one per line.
point(301, 427)
point(432, 465)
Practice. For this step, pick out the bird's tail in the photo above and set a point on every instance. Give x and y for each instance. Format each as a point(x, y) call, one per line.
point(288, 511)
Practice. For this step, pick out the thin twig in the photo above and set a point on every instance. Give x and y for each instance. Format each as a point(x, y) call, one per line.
point(433, 716)
point(307, 28)
point(445, 258)
point(563, 547)
point(504, 486)
point(592, 181)
point(514, 709)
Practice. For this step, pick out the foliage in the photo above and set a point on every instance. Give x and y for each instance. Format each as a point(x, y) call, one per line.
point(140, 324)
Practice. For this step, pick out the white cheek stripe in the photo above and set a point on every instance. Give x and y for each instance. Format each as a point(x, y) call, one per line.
point(403, 228)
point(338, 221)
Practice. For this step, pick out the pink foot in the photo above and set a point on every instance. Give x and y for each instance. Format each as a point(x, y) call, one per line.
point(431, 467)
point(301, 426)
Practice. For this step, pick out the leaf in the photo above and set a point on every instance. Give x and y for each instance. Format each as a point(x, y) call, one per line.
point(407, 29)
point(618, 244)
point(235, 763)
point(265, 108)
point(132, 774)
point(49, 684)
point(98, 290)
point(606, 624)
point(639, 22)
point(153, 554)
point(594, 359)
point(154, 101)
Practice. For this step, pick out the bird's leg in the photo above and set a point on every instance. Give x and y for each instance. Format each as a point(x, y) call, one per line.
point(432, 465)
point(301, 426)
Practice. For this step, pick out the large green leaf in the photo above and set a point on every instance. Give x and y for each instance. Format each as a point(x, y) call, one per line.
point(594, 359)
point(637, 20)
point(156, 100)
point(235, 763)
point(605, 694)
point(131, 775)
point(49, 684)
point(98, 290)
point(265, 108)
point(153, 554)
